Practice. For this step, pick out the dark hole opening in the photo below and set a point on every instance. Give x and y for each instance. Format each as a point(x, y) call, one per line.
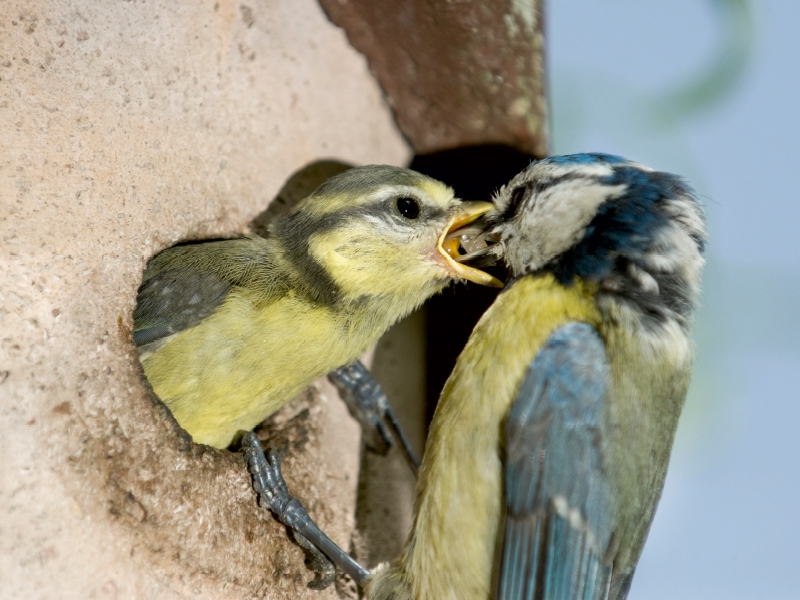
point(475, 173)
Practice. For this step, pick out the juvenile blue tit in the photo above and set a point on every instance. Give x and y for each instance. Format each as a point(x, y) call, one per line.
point(549, 447)
point(229, 331)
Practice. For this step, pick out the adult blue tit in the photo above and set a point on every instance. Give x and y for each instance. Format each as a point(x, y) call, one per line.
point(229, 331)
point(549, 447)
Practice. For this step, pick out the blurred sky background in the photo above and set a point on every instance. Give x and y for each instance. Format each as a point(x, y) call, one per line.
point(710, 89)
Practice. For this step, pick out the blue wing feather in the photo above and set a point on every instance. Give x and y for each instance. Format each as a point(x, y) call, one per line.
point(558, 524)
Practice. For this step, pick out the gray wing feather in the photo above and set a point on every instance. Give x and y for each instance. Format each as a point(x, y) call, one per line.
point(558, 523)
point(173, 301)
point(184, 285)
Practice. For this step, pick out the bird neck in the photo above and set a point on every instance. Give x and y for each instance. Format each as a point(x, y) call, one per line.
point(301, 273)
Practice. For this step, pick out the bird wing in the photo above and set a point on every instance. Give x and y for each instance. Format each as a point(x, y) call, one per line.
point(184, 285)
point(558, 524)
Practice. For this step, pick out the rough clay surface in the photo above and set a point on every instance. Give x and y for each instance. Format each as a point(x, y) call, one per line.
point(386, 483)
point(125, 127)
point(456, 73)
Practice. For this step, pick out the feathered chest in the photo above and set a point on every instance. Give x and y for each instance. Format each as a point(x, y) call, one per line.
point(461, 483)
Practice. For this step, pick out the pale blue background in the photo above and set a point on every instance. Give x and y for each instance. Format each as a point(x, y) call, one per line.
point(711, 89)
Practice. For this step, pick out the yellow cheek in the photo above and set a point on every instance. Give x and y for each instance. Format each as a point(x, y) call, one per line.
point(361, 263)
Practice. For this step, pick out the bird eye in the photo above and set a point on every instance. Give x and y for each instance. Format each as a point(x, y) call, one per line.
point(408, 207)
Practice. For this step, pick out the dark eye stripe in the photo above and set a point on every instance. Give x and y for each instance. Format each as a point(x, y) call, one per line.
point(517, 196)
point(520, 196)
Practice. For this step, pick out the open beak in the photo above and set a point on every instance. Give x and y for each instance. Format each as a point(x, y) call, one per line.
point(449, 243)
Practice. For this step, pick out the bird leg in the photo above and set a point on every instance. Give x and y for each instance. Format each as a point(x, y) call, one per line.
point(367, 402)
point(272, 491)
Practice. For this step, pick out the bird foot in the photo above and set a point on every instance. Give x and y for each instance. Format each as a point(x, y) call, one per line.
point(367, 402)
point(268, 481)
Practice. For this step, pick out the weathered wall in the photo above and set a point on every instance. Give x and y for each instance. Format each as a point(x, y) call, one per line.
point(456, 73)
point(386, 483)
point(125, 127)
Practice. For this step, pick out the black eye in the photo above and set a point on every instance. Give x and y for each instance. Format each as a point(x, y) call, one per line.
point(408, 207)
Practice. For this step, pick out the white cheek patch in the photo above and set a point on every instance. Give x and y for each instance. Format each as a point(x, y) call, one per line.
point(557, 220)
point(544, 171)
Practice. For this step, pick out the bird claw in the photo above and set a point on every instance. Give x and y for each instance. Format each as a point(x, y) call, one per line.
point(324, 556)
point(273, 492)
point(368, 403)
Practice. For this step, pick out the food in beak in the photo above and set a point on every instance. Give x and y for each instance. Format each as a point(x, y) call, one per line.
point(459, 235)
point(471, 244)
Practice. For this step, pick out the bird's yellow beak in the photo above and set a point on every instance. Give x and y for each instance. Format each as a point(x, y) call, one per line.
point(449, 242)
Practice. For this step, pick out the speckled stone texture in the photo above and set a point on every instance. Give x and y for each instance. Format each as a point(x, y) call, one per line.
point(124, 128)
point(456, 72)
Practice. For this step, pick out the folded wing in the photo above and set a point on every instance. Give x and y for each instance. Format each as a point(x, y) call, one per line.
point(184, 285)
point(558, 525)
